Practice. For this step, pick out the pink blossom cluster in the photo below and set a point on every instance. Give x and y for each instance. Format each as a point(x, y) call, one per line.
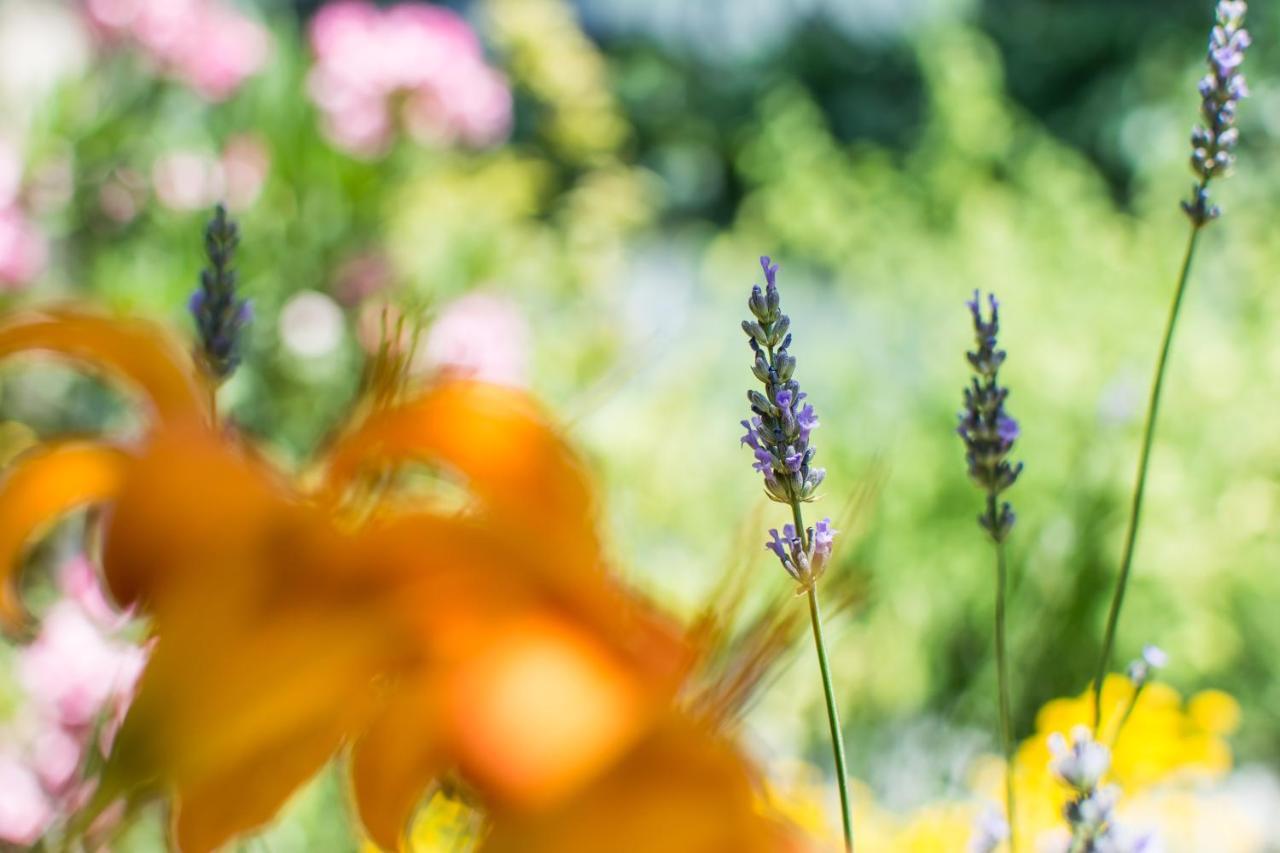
point(411, 65)
point(77, 677)
point(207, 44)
point(24, 250)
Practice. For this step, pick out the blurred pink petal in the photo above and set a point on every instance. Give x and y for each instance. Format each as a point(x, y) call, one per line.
point(72, 670)
point(220, 50)
point(23, 250)
point(368, 58)
point(78, 581)
point(187, 180)
point(55, 757)
point(245, 165)
point(361, 276)
point(481, 336)
point(209, 45)
point(25, 811)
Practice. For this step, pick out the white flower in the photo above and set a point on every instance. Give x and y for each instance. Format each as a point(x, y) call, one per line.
point(1080, 764)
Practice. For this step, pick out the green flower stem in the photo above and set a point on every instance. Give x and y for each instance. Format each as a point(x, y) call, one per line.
point(828, 689)
point(1135, 511)
point(1128, 712)
point(1002, 676)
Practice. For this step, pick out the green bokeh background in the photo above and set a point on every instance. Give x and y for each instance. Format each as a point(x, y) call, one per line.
point(893, 157)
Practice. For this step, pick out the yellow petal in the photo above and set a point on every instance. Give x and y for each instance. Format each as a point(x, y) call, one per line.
point(40, 487)
point(139, 353)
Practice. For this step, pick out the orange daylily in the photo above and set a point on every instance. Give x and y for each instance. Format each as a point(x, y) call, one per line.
point(291, 621)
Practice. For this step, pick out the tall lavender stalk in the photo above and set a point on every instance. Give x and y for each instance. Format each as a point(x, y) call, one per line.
point(989, 433)
point(778, 435)
point(1212, 155)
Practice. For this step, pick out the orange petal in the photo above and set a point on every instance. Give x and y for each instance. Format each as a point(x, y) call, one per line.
point(211, 813)
point(193, 504)
point(239, 706)
point(498, 440)
point(137, 352)
point(683, 789)
point(40, 487)
point(541, 707)
point(395, 760)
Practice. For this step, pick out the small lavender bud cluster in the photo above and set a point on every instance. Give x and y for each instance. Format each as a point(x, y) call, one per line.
point(987, 430)
point(778, 434)
point(1080, 765)
point(1213, 142)
point(1141, 669)
point(804, 564)
point(220, 315)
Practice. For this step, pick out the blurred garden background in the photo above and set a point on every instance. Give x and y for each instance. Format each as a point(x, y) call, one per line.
point(572, 195)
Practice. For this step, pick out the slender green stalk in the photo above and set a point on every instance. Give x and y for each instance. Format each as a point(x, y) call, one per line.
point(828, 690)
point(1128, 712)
point(1002, 676)
point(1135, 511)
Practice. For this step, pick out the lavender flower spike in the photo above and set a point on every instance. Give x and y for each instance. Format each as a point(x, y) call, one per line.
point(987, 430)
point(782, 423)
point(220, 314)
point(1213, 142)
point(778, 435)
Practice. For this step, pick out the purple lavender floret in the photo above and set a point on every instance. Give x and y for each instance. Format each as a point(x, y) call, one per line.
point(1213, 142)
point(804, 564)
point(221, 316)
point(779, 432)
point(986, 428)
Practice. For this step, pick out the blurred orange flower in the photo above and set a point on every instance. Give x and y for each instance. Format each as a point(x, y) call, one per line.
point(292, 616)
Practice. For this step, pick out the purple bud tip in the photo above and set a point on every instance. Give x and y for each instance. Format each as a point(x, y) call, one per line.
point(770, 270)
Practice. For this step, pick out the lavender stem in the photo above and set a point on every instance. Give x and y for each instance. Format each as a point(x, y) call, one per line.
point(828, 690)
point(1135, 511)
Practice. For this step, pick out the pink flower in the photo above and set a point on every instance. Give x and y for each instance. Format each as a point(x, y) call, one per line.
point(481, 336)
point(78, 581)
point(189, 179)
point(361, 276)
point(246, 162)
point(208, 45)
point(25, 811)
point(24, 251)
point(55, 757)
point(71, 670)
point(369, 60)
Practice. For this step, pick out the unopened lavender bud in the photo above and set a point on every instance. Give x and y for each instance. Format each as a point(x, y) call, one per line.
point(779, 332)
point(755, 332)
point(761, 368)
point(786, 366)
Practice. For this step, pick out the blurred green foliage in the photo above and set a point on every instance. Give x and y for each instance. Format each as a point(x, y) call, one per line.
point(1033, 149)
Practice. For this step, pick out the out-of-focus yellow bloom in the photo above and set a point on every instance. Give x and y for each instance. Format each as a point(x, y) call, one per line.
point(289, 621)
point(1166, 754)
